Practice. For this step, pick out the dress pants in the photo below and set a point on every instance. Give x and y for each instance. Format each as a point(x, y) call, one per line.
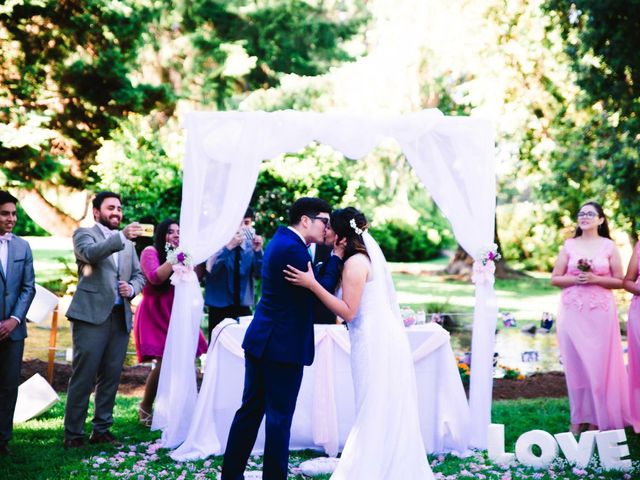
point(271, 389)
point(10, 364)
point(98, 354)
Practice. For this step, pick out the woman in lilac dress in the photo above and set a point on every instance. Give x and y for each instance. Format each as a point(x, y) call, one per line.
point(154, 312)
point(632, 284)
point(587, 269)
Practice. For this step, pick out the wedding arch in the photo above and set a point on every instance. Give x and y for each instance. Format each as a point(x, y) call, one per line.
point(452, 156)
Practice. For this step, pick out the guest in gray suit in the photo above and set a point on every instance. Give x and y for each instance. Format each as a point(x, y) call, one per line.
point(17, 289)
point(109, 277)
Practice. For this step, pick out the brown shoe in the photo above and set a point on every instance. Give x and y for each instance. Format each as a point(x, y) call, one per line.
point(4, 450)
point(73, 443)
point(105, 437)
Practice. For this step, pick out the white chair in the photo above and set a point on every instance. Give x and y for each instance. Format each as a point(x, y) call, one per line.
point(35, 396)
point(45, 304)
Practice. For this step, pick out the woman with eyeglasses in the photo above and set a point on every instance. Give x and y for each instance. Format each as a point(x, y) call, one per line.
point(631, 284)
point(587, 269)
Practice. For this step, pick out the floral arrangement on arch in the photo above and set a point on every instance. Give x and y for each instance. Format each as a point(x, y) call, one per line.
point(181, 262)
point(490, 254)
point(484, 266)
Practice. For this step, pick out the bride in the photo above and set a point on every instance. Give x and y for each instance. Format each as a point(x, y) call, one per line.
point(385, 441)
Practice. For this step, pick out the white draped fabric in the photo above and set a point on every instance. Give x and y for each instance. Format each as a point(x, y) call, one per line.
point(325, 408)
point(453, 157)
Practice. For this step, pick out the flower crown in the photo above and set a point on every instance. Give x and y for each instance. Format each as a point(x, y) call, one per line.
point(355, 227)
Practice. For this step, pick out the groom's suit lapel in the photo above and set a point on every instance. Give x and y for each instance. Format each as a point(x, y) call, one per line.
point(296, 238)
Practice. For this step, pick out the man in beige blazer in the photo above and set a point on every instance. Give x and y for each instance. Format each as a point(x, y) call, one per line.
point(109, 277)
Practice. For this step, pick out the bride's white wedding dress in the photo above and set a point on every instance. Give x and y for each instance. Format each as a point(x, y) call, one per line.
point(385, 442)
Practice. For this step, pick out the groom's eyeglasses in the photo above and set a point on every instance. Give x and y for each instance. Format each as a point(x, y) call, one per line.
point(324, 220)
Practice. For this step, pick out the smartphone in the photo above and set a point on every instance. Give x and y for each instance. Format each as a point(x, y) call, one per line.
point(147, 230)
point(249, 233)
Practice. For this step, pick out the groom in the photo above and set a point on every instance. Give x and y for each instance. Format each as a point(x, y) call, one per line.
point(277, 345)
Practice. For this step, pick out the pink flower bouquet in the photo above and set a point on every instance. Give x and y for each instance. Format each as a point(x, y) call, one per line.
point(584, 265)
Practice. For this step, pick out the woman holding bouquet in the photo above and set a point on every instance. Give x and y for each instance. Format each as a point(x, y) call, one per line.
point(632, 285)
point(152, 316)
point(587, 269)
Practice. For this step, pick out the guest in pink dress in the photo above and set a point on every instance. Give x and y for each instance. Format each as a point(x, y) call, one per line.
point(587, 269)
point(154, 312)
point(632, 284)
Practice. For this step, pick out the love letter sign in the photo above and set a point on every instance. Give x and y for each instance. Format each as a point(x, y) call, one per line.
point(611, 444)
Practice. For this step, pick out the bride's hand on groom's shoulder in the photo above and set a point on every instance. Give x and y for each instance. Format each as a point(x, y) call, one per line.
point(299, 277)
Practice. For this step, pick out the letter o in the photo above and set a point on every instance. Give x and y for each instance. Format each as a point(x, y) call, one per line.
point(544, 440)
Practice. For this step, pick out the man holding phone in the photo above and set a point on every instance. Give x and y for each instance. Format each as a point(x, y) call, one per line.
point(109, 277)
point(231, 272)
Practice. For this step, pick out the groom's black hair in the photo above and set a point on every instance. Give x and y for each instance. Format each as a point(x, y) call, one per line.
point(309, 206)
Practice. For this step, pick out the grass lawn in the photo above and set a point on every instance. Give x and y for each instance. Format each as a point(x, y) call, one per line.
point(38, 453)
point(37, 445)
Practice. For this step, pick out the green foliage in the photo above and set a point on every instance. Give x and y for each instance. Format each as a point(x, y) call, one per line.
point(271, 200)
point(599, 139)
point(25, 226)
point(233, 48)
point(527, 239)
point(401, 242)
point(74, 73)
point(138, 164)
point(67, 75)
point(273, 195)
point(412, 230)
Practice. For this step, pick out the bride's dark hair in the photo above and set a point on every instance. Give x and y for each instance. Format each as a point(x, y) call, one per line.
point(343, 222)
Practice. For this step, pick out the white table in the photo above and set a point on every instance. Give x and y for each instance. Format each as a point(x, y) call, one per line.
point(325, 407)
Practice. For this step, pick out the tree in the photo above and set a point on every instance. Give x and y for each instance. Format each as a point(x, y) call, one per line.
point(74, 72)
point(66, 85)
point(598, 139)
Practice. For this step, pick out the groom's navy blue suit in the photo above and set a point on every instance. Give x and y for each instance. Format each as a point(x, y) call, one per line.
point(278, 343)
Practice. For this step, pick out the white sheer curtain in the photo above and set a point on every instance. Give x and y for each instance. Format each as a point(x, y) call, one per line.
point(455, 163)
point(453, 157)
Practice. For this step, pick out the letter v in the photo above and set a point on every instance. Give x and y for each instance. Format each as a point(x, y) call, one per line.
point(578, 453)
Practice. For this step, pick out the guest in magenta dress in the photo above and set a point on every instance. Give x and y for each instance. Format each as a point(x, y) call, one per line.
point(587, 269)
point(154, 312)
point(632, 284)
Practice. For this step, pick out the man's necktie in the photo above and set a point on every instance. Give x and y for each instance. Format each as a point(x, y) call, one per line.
point(236, 276)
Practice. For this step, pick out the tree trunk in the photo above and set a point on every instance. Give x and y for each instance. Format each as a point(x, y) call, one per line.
point(45, 214)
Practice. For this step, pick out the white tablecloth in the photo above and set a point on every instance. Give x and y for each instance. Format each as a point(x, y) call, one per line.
point(325, 407)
